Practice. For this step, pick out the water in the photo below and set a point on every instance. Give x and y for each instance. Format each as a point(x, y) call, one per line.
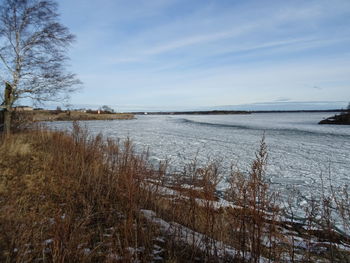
point(300, 151)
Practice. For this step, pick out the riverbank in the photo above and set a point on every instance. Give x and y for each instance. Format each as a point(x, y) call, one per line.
point(24, 117)
point(51, 115)
point(73, 197)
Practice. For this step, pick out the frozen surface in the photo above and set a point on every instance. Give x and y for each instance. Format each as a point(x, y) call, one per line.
point(300, 150)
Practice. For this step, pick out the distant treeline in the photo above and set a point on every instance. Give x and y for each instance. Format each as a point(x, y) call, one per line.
point(223, 112)
point(192, 112)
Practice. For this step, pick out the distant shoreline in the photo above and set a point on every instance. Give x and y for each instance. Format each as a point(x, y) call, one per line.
point(226, 112)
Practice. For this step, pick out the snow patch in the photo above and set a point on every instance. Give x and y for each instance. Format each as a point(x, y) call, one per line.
point(193, 238)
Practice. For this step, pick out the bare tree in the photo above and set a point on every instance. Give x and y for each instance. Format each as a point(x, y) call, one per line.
point(33, 47)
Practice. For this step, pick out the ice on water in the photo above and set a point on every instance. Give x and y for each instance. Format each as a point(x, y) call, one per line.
point(300, 151)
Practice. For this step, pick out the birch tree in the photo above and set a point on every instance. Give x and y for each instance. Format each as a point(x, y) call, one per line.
point(33, 54)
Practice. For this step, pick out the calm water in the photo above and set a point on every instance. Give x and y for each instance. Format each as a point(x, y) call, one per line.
point(300, 151)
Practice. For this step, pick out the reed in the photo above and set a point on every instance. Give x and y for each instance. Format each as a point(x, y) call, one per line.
point(72, 197)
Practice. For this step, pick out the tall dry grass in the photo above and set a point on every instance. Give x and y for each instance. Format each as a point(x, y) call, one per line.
point(71, 197)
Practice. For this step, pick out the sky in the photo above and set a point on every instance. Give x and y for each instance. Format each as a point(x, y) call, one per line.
point(196, 54)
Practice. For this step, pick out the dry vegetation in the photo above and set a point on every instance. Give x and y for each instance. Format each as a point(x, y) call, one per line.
point(75, 198)
point(53, 115)
point(78, 115)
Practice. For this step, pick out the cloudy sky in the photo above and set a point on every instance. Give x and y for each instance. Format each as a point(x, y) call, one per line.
point(186, 54)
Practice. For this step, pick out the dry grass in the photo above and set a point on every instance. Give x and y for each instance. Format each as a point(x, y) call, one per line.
point(46, 115)
point(63, 199)
point(75, 198)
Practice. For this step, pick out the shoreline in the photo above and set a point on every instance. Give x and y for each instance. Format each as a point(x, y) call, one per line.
point(48, 115)
point(228, 112)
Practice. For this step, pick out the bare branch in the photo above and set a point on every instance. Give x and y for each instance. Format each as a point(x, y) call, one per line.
point(33, 50)
point(5, 63)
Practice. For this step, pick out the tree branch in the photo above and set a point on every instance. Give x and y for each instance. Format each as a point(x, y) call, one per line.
point(5, 63)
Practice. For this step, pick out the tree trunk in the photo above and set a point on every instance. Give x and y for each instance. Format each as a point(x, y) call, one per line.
point(8, 101)
point(7, 121)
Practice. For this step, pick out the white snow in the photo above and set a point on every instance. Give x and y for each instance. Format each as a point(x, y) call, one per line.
point(48, 241)
point(193, 238)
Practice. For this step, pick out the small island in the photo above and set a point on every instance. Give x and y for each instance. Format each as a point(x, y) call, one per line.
point(340, 119)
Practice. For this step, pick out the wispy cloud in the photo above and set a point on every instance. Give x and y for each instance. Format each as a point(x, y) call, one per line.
point(195, 40)
point(282, 99)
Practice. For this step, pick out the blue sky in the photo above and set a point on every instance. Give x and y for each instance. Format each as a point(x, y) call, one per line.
point(190, 54)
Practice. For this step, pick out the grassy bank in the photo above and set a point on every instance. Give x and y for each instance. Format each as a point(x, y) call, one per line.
point(75, 198)
point(52, 115)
